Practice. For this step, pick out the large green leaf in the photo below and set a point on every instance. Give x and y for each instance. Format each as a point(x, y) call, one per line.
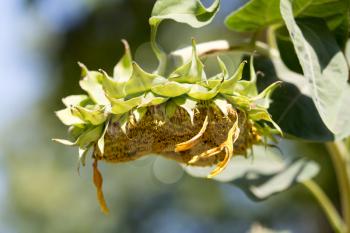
point(257, 14)
point(191, 12)
point(324, 66)
point(267, 173)
point(292, 108)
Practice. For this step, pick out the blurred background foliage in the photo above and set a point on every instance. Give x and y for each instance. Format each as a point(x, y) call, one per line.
point(40, 190)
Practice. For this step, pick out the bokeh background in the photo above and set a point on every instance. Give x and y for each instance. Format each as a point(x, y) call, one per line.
point(40, 190)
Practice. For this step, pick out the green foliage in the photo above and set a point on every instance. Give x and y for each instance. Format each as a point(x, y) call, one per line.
point(191, 12)
point(266, 175)
point(324, 66)
point(268, 13)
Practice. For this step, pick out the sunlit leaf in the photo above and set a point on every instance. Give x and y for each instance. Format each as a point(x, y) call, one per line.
point(267, 13)
point(324, 66)
point(191, 12)
point(266, 175)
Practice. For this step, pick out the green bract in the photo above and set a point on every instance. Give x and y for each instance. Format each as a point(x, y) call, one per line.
point(132, 90)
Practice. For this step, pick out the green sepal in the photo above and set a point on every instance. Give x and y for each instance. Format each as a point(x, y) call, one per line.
point(222, 104)
point(263, 98)
point(76, 130)
point(82, 156)
point(139, 113)
point(141, 81)
point(113, 88)
point(123, 70)
point(190, 72)
point(170, 109)
point(189, 104)
point(258, 114)
point(171, 89)
point(67, 118)
point(150, 99)
point(101, 140)
point(74, 100)
point(203, 93)
point(120, 106)
point(90, 135)
point(91, 83)
point(228, 86)
point(239, 101)
point(93, 114)
point(123, 121)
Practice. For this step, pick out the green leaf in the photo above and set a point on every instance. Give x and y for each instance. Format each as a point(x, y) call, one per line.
point(266, 174)
point(93, 114)
point(67, 118)
point(186, 103)
point(120, 106)
point(190, 72)
point(123, 70)
point(91, 83)
point(267, 13)
point(292, 109)
point(191, 12)
point(324, 66)
point(141, 81)
point(265, 186)
point(171, 89)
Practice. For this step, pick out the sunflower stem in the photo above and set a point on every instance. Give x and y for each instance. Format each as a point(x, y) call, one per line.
point(340, 157)
point(327, 206)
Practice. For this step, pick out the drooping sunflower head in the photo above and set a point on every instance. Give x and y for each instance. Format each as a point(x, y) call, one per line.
point(184, 116)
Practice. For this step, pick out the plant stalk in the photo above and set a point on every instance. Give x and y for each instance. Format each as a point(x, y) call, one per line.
point(327, 206)
point(340, 157)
